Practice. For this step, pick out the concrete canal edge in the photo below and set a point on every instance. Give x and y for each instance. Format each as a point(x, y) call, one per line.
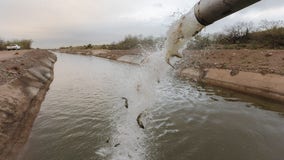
point(269, 86)
point(20, 101)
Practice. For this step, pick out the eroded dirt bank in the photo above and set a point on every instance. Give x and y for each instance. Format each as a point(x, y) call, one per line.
point(25, 77)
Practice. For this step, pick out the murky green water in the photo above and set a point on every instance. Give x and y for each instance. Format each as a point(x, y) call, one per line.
point(83, 118)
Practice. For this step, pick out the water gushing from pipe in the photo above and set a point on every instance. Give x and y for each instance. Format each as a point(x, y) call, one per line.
point(180, 33)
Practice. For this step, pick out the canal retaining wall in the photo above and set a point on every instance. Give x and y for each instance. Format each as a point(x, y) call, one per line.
point(269, 86)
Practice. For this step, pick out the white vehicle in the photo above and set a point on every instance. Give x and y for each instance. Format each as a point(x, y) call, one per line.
point(13, 47)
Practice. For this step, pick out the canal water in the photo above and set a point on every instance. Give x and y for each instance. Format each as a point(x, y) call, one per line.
point(84, 117)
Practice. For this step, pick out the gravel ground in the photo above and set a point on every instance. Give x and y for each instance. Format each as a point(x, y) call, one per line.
point(257, 61)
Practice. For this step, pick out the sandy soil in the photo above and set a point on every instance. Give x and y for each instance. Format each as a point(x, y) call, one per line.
point(257, 61)
point(10, 54)
point(13, 64)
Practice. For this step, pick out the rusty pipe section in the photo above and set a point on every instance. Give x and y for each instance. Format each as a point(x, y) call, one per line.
point(209, 11)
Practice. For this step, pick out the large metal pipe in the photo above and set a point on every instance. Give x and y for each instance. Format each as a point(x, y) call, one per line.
point(209, 11)
point(204, 13)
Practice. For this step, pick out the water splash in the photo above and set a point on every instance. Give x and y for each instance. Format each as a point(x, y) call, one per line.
point(140, 88)
point(180, 33)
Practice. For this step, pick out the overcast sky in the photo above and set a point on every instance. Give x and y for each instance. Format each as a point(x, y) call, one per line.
point(55, 23)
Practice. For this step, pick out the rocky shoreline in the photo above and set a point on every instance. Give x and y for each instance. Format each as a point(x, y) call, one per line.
point(24, 81)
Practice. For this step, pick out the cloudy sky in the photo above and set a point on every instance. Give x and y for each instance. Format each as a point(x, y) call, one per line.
point(55, 23)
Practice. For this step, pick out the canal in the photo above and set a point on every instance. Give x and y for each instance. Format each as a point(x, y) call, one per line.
point(84, 117)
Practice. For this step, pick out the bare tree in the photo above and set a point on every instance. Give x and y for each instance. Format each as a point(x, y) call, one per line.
point(267, 25)
point(239, 31)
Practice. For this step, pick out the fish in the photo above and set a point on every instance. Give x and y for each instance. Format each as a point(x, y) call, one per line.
point(108, 139)
point(138, 87)
point(171, 54)
point(139, 121)
point(158, 80)
point(116, 145)
point(126, 102)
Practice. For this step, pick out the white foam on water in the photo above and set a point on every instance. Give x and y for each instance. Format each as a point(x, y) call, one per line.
point(139, 87)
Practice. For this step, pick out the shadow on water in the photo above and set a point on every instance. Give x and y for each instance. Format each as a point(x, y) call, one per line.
point(253, 101)
point(234, 96)
point(84, 117)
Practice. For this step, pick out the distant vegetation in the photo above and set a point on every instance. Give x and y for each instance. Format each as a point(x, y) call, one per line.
point(25, 43)
point(265, 35)
point(129, 42)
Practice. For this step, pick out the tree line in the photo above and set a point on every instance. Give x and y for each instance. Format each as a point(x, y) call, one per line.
point(24, 43)
point(264, 35)
point(129, 42)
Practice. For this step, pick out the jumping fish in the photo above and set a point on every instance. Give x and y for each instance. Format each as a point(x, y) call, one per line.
point(139, 121)
point(126, 102)
point(138, 87)
point(116, 145)
point(108, 139)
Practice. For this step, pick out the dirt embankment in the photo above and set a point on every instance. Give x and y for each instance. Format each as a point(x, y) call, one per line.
point(258, 72)
point(257, 61)
point(103, 53)
point(25, 77)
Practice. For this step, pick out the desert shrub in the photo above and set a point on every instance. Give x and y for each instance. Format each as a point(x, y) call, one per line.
point(129, 42)
point(134, 42)
point(89, 46)
point(267, 35)
point(268, 25)
point(272, 38)
point(199, 42)
point(2, 44)
point(25, 43)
